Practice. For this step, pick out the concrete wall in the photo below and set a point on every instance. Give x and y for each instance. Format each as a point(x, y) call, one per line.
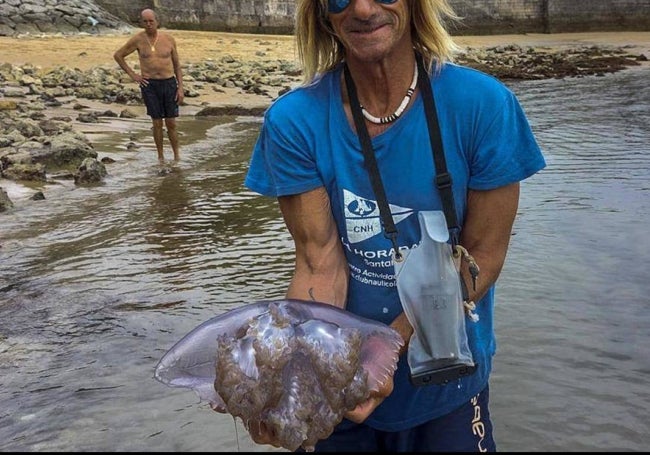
point(479, 16)
point(244, 16)
point(551, 16)
point(499, 16)
point(127, 10)
point(247, 16)
point(611, 15)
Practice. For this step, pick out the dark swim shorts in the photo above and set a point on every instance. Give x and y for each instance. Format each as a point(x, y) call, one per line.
point(159, 95)
point(467, 429)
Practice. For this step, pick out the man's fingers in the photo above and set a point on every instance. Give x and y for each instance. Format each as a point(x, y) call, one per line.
point(261, 434)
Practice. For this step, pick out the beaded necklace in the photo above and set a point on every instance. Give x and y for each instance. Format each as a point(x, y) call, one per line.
point(395, 115)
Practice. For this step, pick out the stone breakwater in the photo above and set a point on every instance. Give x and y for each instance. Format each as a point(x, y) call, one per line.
point(71, 17)
point(38, 144)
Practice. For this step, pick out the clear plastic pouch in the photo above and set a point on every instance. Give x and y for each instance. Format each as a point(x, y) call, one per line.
point(429, 287)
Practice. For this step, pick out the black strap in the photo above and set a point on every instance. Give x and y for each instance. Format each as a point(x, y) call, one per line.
point(390, 231)
point(442, 179)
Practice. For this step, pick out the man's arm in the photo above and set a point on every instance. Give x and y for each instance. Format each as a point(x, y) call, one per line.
point(486, 234)
point(178, 72)
point(120, 57)
point(321, 270)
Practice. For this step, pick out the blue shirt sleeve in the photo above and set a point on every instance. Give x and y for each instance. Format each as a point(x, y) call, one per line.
point(506, 151)
point(283, 161)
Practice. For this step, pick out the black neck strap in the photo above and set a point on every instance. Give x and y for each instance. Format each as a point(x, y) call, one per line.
point(443, 178)
point(390, 231)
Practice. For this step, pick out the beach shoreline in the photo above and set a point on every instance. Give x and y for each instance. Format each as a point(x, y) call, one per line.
point(86, 51)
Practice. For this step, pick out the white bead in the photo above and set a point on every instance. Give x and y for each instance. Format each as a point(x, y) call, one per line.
point(394, 116)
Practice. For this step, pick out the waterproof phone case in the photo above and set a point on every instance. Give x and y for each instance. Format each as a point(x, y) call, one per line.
point(429, 288)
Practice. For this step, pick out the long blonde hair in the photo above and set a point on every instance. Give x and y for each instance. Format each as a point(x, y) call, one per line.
point(319, 50)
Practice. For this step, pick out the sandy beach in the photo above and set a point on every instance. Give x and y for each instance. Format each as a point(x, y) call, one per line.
point(86, 51)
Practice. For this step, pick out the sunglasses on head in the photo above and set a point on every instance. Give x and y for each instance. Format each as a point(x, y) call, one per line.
point(336, 6)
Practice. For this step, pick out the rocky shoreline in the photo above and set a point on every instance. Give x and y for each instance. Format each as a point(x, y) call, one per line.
point(68, 17)
point(38, 144)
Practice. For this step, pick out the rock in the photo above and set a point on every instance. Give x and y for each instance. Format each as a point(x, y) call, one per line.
point(69, 17)
point(516, 63)
point(231, 110)
point(90, 171)
point(88, 118)
point(13, 137)
point(8, 105)
point(127, 113)
point(66, 149)
point(52, 127)
point(108, 113)
point(14, 92)
point(28, 128)
point(33, 172)
point(5, 202)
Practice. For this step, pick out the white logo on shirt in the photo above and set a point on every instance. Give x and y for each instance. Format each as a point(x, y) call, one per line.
point(362, 218)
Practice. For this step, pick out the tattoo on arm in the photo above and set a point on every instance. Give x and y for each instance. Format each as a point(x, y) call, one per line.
point(311, 294)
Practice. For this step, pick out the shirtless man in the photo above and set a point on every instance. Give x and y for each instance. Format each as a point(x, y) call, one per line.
point(160, 78)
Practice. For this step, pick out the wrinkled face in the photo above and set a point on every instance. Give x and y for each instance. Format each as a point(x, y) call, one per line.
point(370, 29)
point(148, 20)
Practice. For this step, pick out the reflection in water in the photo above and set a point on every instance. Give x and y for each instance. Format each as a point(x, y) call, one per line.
point(97, 283)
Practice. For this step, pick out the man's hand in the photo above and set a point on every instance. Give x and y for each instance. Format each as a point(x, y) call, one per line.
point(180, 95)
point(261, 434)
point(141, 81)
point(363, 410)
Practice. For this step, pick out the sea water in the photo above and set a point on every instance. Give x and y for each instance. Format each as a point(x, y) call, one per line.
point(97, 283)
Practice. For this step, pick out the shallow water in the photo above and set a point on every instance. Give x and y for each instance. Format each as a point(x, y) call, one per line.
point(97, 283)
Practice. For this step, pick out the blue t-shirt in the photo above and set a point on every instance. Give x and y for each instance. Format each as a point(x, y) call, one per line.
point(306, 142)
